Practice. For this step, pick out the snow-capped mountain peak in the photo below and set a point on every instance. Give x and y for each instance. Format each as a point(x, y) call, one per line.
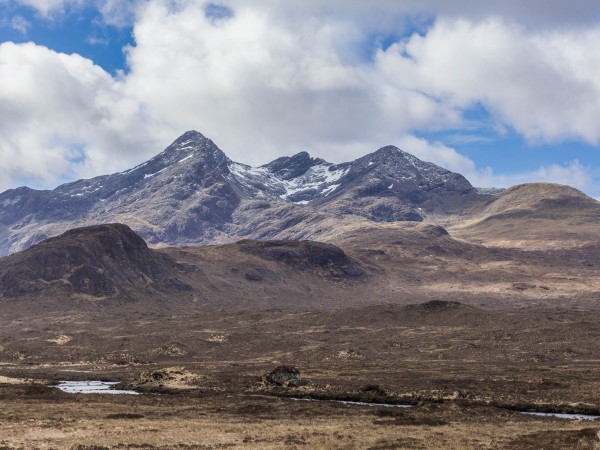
point(193, 193)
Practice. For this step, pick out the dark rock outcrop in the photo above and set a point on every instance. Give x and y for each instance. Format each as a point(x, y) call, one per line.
point(98, 261)
point(290, 167)
point(305, 255)
point(286, 376)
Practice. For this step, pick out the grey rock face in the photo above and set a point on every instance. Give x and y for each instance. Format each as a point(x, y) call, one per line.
point(290, 167)
point(392, 185)
point(192, 193)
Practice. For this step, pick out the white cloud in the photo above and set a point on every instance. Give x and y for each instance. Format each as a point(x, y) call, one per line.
point(48, 7)
point(541, 84)
point(279, 77)
point(532, 11)
point(118, 12)
point(114, 12)
point(20, 24)
point(437, 153)
point(573, 174)
point(286, 83)
point(62, 116)
point(249, 81)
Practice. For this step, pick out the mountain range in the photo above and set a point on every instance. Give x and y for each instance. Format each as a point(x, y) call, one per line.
point(192, 193)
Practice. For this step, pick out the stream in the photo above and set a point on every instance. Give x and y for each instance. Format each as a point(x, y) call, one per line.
point(107, 387)
point(386, 405)
point(347, 402)
point(562, 416)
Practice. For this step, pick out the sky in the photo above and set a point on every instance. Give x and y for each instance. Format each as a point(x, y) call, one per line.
point(502, 92)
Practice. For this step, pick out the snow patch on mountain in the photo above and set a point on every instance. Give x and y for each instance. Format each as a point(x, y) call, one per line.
point(317, 178)
point(316, 181)
point(9, 202)
point(257, 179)
point(186, 158)
point(127, 172)
point(330, 189)
point(150, 175)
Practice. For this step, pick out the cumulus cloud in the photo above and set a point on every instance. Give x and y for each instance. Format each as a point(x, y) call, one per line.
point(291, 84)
point(541, 84)
point(248, 81)
point(573, 174)
point(533, 13)
point(62, 117)
point(268, 78)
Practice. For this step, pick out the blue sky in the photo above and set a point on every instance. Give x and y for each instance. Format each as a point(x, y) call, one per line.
point(503, 94)
point(79, 30)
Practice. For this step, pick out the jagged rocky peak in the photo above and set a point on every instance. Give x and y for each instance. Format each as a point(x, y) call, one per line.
point(189, 137)
point(389, 151)
point(185, 154)
point(393, 156)
point(402, 168)
point(290, 167)
point(191, 144)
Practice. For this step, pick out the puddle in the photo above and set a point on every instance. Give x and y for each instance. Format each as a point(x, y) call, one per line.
point(92, 387)
point(562, 416)
point(346, 402)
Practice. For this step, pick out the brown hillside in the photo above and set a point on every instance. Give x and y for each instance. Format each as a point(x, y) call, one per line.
point(534, 216)
point(96, 261)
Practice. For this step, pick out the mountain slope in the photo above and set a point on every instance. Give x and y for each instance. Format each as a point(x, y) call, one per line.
point(534, 216)
point(98, 261)
point(181, 192)
point(193, 193)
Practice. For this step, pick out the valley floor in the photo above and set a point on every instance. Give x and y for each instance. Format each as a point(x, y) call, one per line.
point(466, 371)
point(36, 419)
